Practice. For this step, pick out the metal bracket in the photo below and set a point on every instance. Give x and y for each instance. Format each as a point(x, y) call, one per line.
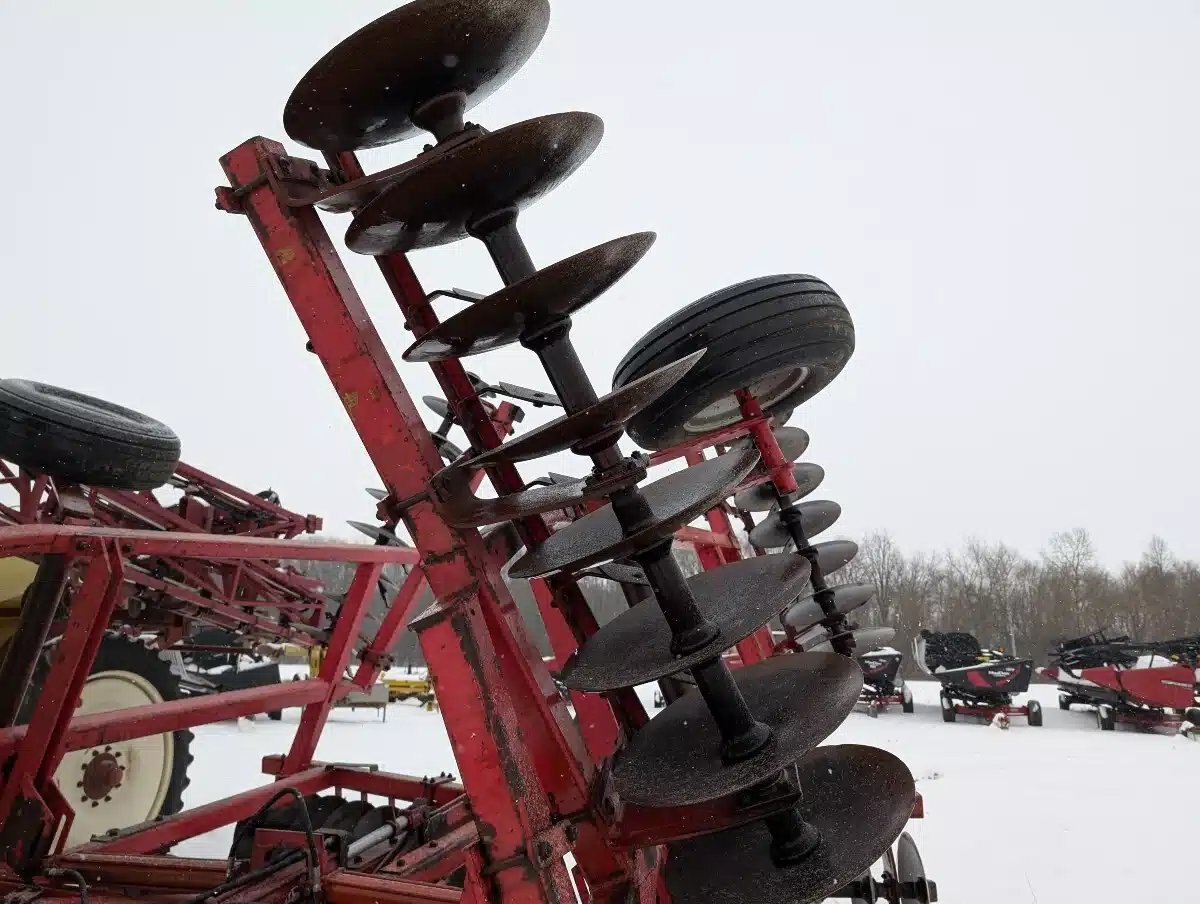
point(534, 397)
point(457, 294)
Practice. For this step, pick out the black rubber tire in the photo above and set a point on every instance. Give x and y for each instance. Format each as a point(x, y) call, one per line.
point(1035, 713)
point(124, 654)
point(1106, 718)
point(77, 438)
point(907, 703)
point(1064, 703)
point(764, 326)
point(275, 715)
point(949, 714)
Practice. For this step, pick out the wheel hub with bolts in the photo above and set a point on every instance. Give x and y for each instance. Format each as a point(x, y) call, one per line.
point(102, 774)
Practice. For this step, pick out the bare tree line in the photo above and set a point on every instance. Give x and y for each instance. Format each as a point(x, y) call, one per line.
point(1026, 605)
point(988, 589)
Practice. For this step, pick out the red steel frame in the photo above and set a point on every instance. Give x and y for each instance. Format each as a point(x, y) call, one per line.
point(534, 776)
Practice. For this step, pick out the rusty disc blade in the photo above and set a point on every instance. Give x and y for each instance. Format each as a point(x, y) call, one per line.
point(362, 93)
point(763, 497)
point(815, 517)
point(675, 500)
point(635, 647)
point(793, 442)
point(506, 169)
point(531, 304)
point(858, 797)
point(605, 418)
point(805, 613)
point(675, 758)
point(470, 511)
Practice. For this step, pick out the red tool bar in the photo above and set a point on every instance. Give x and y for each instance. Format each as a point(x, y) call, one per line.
point(176, 873)
point(43, 539)
point(171, 830)
point(699, 537)
point(98, 729)
point(337, 657)
point(301, 524)
point(355, 888)
point(773, 461)
point(506, 794)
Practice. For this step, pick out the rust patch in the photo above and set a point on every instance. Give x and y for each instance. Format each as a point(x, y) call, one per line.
point(350, 400)
point(285, 256)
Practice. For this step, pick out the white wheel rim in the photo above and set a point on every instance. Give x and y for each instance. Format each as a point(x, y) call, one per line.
point(148, 762)
point(766, 391)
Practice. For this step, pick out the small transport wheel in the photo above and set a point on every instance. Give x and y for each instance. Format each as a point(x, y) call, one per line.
point(906, 693)
point(1064, 702)
point(74, 437)
point(117, 785)
point(1192, 714)
point(782, 337)
point(275, 715)
point(1035, 713)
point(1105, 717)
point(948, 712)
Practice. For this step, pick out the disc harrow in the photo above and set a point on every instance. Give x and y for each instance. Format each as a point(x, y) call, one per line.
point(726, 794)
point(736, 734)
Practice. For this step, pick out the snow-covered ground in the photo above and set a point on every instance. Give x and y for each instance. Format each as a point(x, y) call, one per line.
point(1061, 813)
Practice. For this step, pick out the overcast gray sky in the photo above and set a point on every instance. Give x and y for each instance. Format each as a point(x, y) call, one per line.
point(1005, 195)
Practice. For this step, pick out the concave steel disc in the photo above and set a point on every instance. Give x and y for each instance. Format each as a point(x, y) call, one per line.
point(909, 866)
point(763, 497)
point(635, 647)
point(815, 517)
point(509, 168)
point(675, 500)
point(866, 639)
point(346, 817)
point(530, 304)
point(793, 442)
point(805, 613)
point(379, 534)
point(437, 405)
point(858, 797)
point(675, 758)
point(834, 555)
point(605, 418)
point(320, 811)
point(362, 93)
point(470, 511)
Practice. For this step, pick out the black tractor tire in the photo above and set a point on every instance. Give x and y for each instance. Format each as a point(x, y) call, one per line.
point(124, 654)
point(80, 439)
point(1035, 713)
point(785, 336)
point(1064, 703)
